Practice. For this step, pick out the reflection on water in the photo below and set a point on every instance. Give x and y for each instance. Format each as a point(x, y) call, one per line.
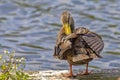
point(30, 27)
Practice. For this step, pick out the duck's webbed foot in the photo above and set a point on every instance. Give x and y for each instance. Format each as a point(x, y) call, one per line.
point(68, 75)
point(83, 73)
point(86, 72)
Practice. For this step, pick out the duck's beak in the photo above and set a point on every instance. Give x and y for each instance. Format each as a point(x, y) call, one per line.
point(67, 29)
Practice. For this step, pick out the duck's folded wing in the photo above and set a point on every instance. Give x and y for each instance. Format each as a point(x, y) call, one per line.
point(60, 50)
point(94, 41)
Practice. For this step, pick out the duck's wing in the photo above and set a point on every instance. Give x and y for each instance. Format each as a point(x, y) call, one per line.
point(86, 45)
point(94, 41)
point(60, 51)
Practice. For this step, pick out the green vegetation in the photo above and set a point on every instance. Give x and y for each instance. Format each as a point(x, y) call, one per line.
point(11, 67)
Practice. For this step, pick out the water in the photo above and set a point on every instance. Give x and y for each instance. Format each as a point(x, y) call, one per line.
point(30, 26)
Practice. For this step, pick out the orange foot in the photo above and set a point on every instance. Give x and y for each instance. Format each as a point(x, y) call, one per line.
point(84, 73)
point(68, 75)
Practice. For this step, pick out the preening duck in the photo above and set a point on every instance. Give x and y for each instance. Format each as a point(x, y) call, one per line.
point(78, 46)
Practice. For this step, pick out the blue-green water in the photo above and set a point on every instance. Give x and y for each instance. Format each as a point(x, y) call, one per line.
point(30, 27)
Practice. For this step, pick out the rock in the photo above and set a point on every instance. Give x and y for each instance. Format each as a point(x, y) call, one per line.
point(105, 74)
point(50, 75)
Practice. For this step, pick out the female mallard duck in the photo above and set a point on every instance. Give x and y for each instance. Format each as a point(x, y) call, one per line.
point(77, 46)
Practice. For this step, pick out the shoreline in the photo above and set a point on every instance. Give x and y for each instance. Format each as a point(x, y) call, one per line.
point(103, 74)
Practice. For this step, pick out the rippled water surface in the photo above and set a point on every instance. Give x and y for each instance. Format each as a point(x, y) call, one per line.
point(30, 27)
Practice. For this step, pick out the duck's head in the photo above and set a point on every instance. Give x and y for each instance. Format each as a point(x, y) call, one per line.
point(67, 22)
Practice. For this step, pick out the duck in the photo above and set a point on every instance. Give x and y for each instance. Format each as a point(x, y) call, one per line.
point(78, 46)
